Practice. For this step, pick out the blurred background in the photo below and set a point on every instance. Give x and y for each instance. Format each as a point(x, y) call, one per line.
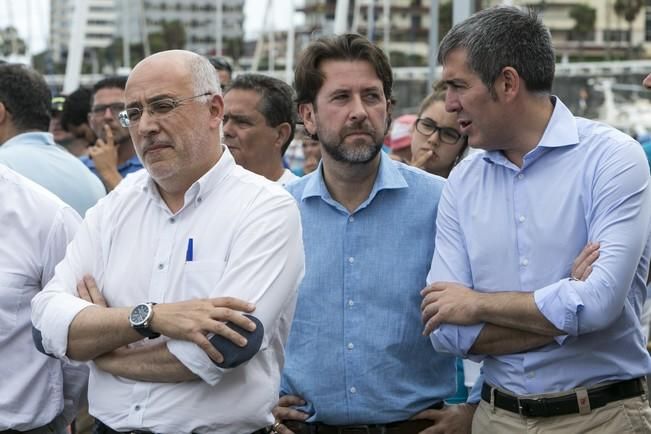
point(603, 46)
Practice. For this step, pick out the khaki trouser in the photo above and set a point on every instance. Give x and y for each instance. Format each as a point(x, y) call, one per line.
point(632, 415)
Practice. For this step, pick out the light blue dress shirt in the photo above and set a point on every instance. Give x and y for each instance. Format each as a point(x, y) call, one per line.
point(36, 156)
point(502, 228)
point(356, 352)
point(133, 164)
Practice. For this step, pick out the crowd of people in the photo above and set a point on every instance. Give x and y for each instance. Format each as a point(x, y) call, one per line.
point(163, 271)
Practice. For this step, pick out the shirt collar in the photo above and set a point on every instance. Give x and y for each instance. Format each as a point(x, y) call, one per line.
point(561, 131)
point(202, 186)
point(34, 137)
point(388, 177)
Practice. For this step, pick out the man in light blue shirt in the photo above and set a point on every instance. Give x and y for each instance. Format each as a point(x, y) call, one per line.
point(560, 354)
point(27, 148)
point(355, 356)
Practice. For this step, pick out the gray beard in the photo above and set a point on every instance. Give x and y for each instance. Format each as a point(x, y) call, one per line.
point(358, 155)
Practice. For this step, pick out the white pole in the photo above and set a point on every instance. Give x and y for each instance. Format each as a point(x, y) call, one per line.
point(76, 46)
point(289, 54)
point(357, 5)
point(143, 29)
point(219, 21)
point(341, 17)
point(258, 45)
point(433, 40)
point(461, 9)
point(370, 20)
point(272, 41)
point(386, 10)
point(126, 40)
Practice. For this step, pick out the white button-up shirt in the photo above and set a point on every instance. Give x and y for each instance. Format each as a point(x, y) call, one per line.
point(36, 228)
point(247, 244)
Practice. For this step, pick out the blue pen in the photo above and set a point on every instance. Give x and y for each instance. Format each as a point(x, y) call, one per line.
point(189, 252)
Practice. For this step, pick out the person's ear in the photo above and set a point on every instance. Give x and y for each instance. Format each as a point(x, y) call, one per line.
point(508, 83)
point(306, 112)
point(283, 131)
point(217, 108)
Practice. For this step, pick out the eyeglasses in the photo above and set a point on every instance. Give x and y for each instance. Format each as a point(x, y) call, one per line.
point(158, 108)
point(427, 127)
point(100, 109)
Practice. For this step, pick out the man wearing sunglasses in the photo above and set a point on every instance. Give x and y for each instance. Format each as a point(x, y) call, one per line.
point(113, 156)
point(179, 255)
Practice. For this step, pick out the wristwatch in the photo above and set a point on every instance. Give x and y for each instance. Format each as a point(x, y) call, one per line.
point(140, 319)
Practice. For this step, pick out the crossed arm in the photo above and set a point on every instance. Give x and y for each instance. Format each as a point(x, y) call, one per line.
point(513, 322)
point(190, 321)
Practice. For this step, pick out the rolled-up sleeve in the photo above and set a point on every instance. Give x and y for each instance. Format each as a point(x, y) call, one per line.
point(54, 308)
point(620, 215)
point(451, 264)
point(265, 266)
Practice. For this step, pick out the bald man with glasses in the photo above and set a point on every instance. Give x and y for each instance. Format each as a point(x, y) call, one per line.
point(195, 267)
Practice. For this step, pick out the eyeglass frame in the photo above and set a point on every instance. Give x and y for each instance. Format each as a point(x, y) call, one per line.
point(123, 116)
point(100, 109)
point(436, 128)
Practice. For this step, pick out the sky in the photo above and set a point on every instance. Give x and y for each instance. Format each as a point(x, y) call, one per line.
point(31, 17)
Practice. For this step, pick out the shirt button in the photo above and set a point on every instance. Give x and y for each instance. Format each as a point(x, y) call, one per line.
point(525, 262)
point(351, 219)
point(172, 220)
point(351, 259)
point(522, 219)
point(350, 346)
point(351, 303)
point(136, 407)
point(161, 266)
point(199, 199)
point(520, 176)
point(353, 389)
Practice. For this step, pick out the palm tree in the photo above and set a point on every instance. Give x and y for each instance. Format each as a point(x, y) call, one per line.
point(584, 22)
point(628, 9)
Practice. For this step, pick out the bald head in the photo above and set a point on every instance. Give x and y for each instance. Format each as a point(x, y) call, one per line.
point(182, 64)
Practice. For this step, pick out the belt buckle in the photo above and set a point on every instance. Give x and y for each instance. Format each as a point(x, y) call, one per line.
point(524, 408)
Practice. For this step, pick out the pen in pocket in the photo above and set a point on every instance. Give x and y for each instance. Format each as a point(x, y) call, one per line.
point(189, 254)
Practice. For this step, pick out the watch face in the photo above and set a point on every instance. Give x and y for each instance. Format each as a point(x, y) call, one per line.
point(139, 314)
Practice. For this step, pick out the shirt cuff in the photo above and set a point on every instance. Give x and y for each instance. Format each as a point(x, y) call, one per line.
point(54, 323)
point(475, 393)
point(196, 360)
point(560, 304)
point(456, 339)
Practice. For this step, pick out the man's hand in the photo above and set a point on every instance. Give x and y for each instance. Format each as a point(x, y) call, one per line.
point(284, 411)
point(193, 320)
point(87, 289)
point(447, 302)
point(105, 157)
point(452, 419)
point(582, 266)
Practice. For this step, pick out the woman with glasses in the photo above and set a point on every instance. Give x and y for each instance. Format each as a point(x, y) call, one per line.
point(436, 144)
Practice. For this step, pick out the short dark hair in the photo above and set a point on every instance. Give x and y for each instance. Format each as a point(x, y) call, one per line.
point(308, 79)
point(502, 36)
point(276, 100)
point(76, 108)
point(115, 81)
point(25, 95)
point(221, 64)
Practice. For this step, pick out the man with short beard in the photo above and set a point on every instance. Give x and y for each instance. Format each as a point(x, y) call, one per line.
point(356, 355)
point(113, 156)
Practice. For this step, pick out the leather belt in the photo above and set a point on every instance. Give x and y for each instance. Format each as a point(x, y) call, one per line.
point(406, 427)
point(402, 427)
point(579, 401)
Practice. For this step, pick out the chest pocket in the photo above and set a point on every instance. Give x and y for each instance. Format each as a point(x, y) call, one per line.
point(13, 297)
point(200, 279)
